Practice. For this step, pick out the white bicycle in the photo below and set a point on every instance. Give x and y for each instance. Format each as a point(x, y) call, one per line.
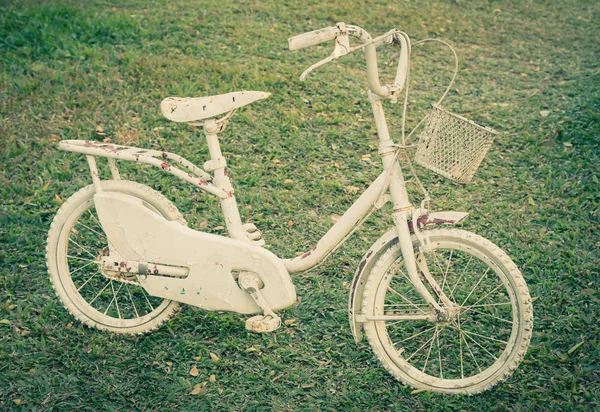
point(443, 309)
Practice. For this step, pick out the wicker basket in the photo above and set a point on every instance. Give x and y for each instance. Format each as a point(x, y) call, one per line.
point(452, 145)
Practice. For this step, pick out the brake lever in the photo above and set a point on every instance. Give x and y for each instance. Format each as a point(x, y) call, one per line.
point(342, 47)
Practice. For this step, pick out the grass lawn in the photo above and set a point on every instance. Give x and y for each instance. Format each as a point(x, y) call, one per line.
point(71, 69)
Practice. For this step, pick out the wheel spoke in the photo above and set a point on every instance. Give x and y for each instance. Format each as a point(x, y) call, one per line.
point(429, 351)
point(117, 300)
point(95, 218)
point(478, 344)
point(460, 277)
point(421, 347)
point(132, 302)
point(440, 355)
point(86, 282)
point(475, 287)
point(90, 229)
point(80, 258)
point(486, 305)
point(404, 298)
point(147, 300)
point(84, 249)
point(83, 267)
point(493, 316)
point(462, 369)
point(486, 295)
point(414, 336)
point(462, 336)
point(99, 293)
point(485, 337)
point(113, 299)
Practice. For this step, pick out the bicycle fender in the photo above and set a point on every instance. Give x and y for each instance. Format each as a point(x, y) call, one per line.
point(374, 253)
point(137, 233)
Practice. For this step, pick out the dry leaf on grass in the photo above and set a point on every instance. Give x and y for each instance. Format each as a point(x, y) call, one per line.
point(194, 371)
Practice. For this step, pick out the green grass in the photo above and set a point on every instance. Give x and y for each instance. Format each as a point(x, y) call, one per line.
point(67, 67)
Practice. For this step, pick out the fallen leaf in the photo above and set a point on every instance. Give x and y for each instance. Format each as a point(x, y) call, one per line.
point(251, 349)
point(290, 223)
point(58, 199)
point(194, 371)
point(197, 358)
point(276, 161)
point(46, 186)
point(17, 401)
point(100, 131)
point(417, 391)
point(567, 144)
point(290, 322)
point(288, 182)
point(38, 67)
point(212, 379)
point(196, 391)
point(169, 363)
point(214, 357)
point(220, 228)
point(575, 347)
point(352, 189)
point(203, 224)
point(335, 218)
point(545, 113)
point(69, 325)
point(531, 201)
point(365, 157)
point(5, 321)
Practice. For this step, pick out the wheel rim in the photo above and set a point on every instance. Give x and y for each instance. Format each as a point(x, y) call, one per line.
point(476, 344)
point(107, 302)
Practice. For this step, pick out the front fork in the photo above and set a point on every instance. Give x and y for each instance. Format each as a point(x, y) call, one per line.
point(403, 210)
point(416, 266)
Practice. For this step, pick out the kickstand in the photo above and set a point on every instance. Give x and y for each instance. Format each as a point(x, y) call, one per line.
point(251, 283)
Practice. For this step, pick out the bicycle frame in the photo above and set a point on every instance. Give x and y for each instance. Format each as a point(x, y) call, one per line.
point(220, 184)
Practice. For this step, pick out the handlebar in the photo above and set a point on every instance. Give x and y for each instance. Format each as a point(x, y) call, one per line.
point(341, 33)
point(312, 38)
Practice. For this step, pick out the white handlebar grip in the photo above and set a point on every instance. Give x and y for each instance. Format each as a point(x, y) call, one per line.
point(311, 38)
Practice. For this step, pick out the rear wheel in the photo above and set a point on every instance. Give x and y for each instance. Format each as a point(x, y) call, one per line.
point(76, 244)
point(481, 339)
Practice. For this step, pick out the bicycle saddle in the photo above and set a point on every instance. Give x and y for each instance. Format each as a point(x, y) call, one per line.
point(191, 109)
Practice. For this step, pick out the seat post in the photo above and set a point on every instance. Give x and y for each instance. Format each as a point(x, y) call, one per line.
point(218, 165)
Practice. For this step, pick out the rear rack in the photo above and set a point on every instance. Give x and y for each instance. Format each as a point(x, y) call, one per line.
point(163, 160)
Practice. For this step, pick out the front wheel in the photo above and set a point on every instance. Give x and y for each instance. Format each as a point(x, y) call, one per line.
point(477, 342)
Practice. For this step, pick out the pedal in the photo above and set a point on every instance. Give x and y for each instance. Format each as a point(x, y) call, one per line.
point(262, 324)
point(251, 283)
